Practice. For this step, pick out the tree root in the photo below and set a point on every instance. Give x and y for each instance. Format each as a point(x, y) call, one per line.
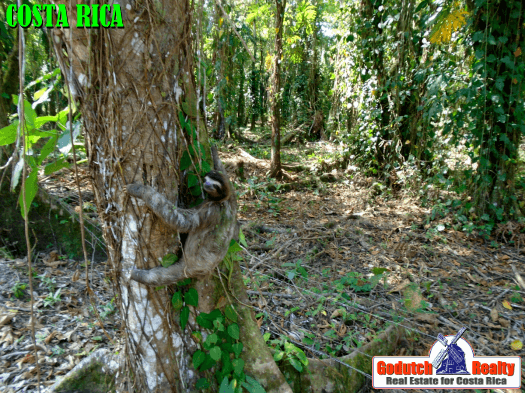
point(331, 375)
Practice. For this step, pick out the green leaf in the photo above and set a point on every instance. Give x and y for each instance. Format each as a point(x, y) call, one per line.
point(230, 313)
point(379, 270)
point(184, 316)
point(301, 356)
point(29, 115)
point(62, 118)
point(237, 349)
point(308, 341)
point(217, 323)
point(234, 247)
point(296, 364)
point(8, 134)
point(421, 5)
point(225, 387)
point(233, 331)
point(238, 366)
point(192, 297)
point(226, 347)
point(252, 386)
point(181, 119)
point(176, 300)
point(47, 149)
point(193, 180)
point(215, 353)
point(242, 239)
point(184, 282)
point(55, 166)
point(227, 366)
point(204, 322)
point(169, 259)
point(196, 191)
point(202, 384)
point(205, 167)
point(198, 358)
point(41, 120)
point(208, 363)
point(278, 355)
point(212, 339)
point(185, 161)
point(31, 187)
point(215, 315)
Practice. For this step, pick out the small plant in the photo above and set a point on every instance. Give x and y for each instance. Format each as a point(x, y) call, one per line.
point(288, 312)
point(40, 337)
point(57, 351)
point(4, 253)
point(516, 297)
point(48, 282)
point(52, 298)
point(358, 282)
point(296, 268)
point(221, 349)
point(274, 206)
point(288, 353)
point(108, 309)
point(18, 289)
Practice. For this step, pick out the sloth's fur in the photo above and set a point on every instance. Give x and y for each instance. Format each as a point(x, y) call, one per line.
point(210, 227)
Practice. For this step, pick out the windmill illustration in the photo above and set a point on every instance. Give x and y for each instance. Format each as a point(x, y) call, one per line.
point(455, 363)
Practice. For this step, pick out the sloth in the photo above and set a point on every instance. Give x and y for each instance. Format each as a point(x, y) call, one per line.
point(210, 228)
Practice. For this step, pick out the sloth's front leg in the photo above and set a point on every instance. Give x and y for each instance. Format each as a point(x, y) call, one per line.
point(160, 275)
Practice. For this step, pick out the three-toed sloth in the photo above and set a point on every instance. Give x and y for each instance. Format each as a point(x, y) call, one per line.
point(210, 228)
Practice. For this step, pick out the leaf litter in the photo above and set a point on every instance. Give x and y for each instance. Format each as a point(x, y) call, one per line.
point(329, 266)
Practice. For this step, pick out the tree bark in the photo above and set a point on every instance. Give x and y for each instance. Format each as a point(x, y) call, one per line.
point(240, 100)
point(9, 81)
point(134, 85)
point(275, 96)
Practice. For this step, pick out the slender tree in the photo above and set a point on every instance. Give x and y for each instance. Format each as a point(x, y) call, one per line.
point(275, 95)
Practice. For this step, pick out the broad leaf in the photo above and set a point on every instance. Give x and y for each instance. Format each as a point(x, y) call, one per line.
point(215, 353)
point(184, 316)
point(192, 297)
point(230, 313)
point(8, 134)
point(176, 300)
point(198, 358)
point(31, 187)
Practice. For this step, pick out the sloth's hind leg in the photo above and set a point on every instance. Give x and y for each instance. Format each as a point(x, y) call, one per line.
point(160, 275)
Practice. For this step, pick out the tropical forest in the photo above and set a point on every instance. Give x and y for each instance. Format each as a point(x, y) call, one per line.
point(256, 196)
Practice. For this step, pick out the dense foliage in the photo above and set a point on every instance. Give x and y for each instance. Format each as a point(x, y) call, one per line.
point(432, 88)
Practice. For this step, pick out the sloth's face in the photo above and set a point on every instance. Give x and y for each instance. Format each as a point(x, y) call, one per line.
point(212, 185)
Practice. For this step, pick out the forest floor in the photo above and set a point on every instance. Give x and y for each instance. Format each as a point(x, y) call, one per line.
point(329, 265)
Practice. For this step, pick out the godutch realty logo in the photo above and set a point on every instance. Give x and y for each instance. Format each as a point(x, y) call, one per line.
point(451, 364)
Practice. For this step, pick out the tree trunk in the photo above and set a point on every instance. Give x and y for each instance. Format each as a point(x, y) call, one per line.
point(134, 86)
point(275, 96)
point(8, 81)
point(254, 89)
point(220, 97)
point(262, 88)
point(375, 54)
point(240, 100)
